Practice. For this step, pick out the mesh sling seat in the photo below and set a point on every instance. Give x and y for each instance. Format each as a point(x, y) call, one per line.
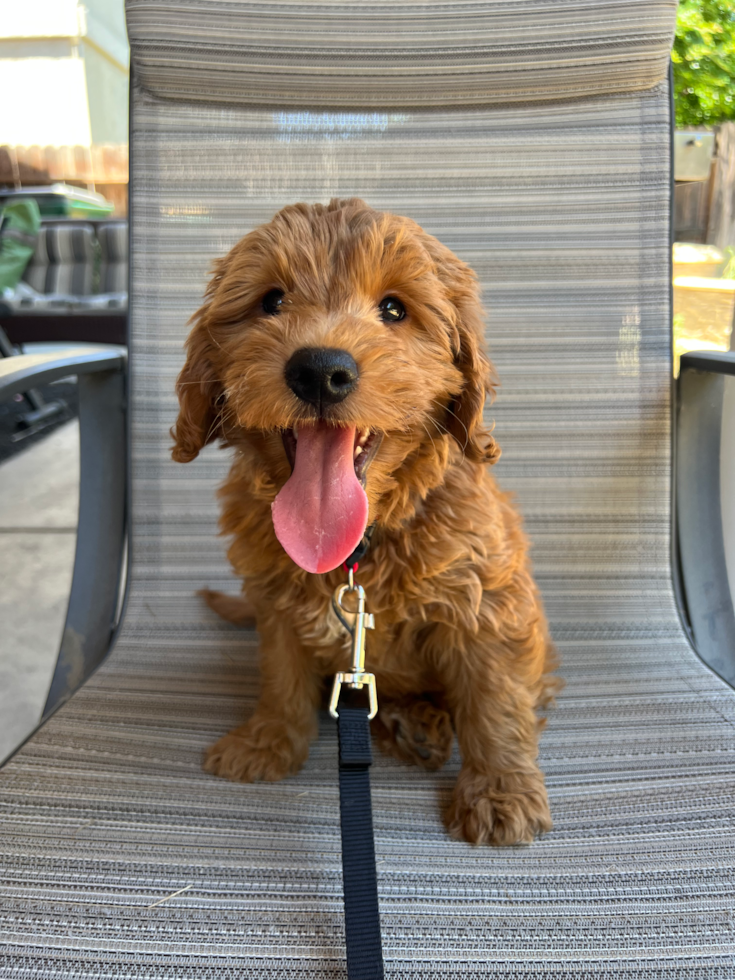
point(533, 139)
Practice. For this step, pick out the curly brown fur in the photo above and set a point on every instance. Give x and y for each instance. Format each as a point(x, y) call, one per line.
point(460, 632)
point(414, 729)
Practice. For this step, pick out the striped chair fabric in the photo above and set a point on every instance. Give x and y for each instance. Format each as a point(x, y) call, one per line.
point(113, 239)
point(533, 138)
point(64, 260)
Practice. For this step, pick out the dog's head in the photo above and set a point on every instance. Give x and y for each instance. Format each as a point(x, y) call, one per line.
point(345, 346)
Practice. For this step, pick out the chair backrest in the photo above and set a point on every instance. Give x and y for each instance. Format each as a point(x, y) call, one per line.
point(392, 55)
point(531, 139)
point(65, 259)
point(113, 239)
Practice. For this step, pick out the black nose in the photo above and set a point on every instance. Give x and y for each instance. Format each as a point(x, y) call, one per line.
point(321, 375)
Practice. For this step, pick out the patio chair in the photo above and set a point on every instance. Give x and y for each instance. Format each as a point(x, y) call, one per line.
point(534, 139)
point(75, 287)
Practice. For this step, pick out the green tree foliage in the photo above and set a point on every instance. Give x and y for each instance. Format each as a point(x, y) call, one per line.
point(704, 62)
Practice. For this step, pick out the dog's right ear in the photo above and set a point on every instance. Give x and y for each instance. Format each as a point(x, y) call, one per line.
point(200, 396)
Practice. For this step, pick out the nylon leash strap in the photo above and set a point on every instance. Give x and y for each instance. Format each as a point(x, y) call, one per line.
point(359, 876)
point(360, 882)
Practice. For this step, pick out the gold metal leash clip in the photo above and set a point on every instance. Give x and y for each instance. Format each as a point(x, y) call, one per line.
point(356, 623)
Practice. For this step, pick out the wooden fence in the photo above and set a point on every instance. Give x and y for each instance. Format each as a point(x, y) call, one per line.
point(704, 211)
point(100, 168)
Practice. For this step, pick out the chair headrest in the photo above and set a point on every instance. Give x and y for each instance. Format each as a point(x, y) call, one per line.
point(408, 53)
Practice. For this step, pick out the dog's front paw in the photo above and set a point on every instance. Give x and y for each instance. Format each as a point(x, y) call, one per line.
point(260, 749)
point(511, 808)
point(415, 730)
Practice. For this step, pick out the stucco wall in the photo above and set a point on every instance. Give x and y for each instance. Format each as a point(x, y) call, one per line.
point(64, 66)
point(45, 102)
point(40, 18)
point(107, 93)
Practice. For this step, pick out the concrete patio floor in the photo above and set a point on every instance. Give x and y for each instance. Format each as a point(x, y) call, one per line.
point(39, 500)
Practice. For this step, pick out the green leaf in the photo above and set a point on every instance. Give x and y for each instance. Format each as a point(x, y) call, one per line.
point(703, 60)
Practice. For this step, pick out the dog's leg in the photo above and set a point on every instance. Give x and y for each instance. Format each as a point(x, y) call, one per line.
point(414, 729)
point(274, 742)
point(235, 609)
point(499, 797)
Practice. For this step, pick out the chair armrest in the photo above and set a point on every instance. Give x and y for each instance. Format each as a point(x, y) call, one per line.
point(716, 362)
point(703, 566)
point(26, 371)
point(103, 496)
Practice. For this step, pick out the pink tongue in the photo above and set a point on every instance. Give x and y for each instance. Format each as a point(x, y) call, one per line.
point(321, 513)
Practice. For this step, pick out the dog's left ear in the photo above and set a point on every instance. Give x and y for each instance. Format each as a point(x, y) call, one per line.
point(464, 414)
point(200, 395)
point(199, 386)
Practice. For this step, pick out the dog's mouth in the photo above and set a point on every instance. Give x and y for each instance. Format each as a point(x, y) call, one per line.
point(365, 446)
point(321, 513)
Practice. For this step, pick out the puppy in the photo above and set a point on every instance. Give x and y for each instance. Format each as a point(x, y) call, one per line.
point(340, 352)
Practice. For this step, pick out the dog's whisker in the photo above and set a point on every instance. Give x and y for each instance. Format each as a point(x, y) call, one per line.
point(445, 431)
point(212, 429)
point(442, 428)
point(216, 342)
point(467, 435)
point(227, 417)
point(429, 435)
point(220, 421)
point(183, 384)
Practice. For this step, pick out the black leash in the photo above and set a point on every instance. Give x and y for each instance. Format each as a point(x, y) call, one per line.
point(360, 882)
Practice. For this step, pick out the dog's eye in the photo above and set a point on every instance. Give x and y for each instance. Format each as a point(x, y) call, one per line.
point(272, 302)
point(391, 309)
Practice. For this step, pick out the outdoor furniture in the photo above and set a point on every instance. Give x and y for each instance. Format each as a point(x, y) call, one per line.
point(41, 413)
point(80, 326)
point(20, 220)
point(80, 259)
point(78, 279)
point(533, 139)
point(113, 239)
point(64, 260)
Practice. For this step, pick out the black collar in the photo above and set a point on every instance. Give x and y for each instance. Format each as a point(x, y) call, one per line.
point(361, 550)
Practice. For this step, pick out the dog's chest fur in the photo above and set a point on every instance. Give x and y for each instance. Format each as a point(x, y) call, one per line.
point(455, 560)
point(393, 650)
